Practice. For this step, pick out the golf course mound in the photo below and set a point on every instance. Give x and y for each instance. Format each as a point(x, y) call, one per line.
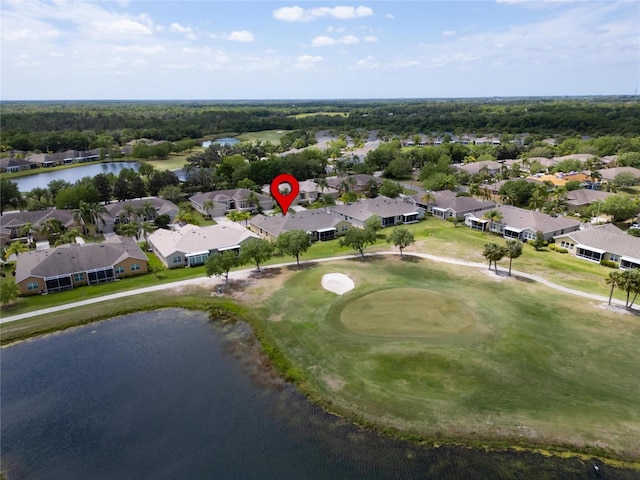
point(400, 312)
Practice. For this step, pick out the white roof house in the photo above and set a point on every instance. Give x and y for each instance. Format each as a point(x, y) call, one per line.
point(191, 245)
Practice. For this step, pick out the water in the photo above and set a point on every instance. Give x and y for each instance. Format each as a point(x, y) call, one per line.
point(226, 141)
point(168, 394)
point(28, 183)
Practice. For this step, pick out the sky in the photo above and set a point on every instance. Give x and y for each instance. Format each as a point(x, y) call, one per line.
point(237, 50)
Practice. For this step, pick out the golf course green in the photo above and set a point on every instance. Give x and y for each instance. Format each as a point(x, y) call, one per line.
point(459, 355)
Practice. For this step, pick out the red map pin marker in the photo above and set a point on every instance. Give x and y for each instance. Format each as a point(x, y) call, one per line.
point(284, 199)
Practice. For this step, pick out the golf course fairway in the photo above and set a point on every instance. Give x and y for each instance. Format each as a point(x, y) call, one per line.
point(456, 354)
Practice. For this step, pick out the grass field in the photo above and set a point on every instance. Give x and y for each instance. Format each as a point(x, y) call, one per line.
point(315, 114)
point(455, 354)
point(174, 161)
point(272, 136)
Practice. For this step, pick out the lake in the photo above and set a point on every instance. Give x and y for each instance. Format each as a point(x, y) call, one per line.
point(28, 183)
point(170, 394)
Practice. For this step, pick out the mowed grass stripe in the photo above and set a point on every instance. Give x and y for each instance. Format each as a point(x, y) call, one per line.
point(535, 367)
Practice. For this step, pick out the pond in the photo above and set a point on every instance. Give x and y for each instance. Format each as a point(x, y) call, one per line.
point(41, 179)
point(170, 394)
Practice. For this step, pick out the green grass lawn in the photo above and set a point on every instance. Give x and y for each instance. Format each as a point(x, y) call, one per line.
point(454, 354)
point(272, 136)
point(174, 161)
point(432, 236)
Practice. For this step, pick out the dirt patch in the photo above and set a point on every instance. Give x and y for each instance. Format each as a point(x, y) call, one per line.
point(334, 383)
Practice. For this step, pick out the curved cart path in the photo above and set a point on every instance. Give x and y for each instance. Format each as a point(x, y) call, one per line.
point(244, 274)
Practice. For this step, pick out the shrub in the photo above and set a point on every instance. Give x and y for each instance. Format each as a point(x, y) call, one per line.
point(609, 263)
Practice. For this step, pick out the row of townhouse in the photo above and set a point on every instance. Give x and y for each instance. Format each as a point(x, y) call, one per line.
point(40, 160)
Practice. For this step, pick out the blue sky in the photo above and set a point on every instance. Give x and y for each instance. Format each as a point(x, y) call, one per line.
point(55, 50)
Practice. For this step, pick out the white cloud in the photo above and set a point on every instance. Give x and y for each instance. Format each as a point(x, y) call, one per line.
point(370, 38)
point(368, 62)
point(141, 49)
point(448, 33)
point(299, 14)
point(325, 41)
point(119, 29)
point(390, 16)
point(241, 36)
point(235, 36)
point(307, 62)
point(177, 28)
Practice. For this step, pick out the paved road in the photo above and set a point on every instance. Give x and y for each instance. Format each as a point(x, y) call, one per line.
point(244, 274)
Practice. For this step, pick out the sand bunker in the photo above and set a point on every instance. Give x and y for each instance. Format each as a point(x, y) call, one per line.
point(337, 283)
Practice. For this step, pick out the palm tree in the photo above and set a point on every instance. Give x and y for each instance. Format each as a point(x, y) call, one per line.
point(493, 252)
point(27, 230)
point(428, 197)
point(615, 280)
point(538, 199)
point(493, 216)
point(208, 206)
point(513, 249)
point(147, 228)
point(51, 227)
point(127, 213)
point(15, 248)
point(147, 211)
point(97, 213)
point(130, 230)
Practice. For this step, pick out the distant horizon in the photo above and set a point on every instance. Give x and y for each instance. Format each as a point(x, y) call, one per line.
point(318, 100)
point(317, 50)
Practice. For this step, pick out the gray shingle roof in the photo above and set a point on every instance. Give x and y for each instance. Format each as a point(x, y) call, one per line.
point(584, 196)
point(192, 239)
point(520, 218)
point(609, 240)
point(224, 196)
point(383, 207)
point(307, 220)
point(446, 199)
point(74, 258)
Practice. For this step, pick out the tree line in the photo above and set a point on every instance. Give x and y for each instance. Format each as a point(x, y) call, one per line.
point(54, 126)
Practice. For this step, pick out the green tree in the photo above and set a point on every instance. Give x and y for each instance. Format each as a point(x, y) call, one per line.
point(373, 224)
point(294, 243)
point(219, 264)
point(146, 170)
point(8, 291)
point(620, 207)
point(629, 282)
point(401, 237)
point(624, 179)
point(15, 248)
point(358, 239)
point(51, 227)
point(493, 252)
point(440, 181)
point(390, 189)
point(615, 281)
point(493, 216)
point(9, 195)
point(513, 249)
point(539, 242)
point(208, 206)
point(256, 251)
point(173, 193)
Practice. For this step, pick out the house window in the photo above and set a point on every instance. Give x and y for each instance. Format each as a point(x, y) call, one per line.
point(78, 277)
point(119, 269)
point(345, 228)
point(31, 286)
point(135, 267)
point(614, 258)
point(177, 260)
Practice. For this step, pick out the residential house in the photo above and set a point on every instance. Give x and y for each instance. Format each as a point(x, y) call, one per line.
point(226, 200)
point(358, 183)
point(520, 223)
point(191, 245)
point(603, 242)
point(310, 192)
point(447, 204)
point(64, 158)
point(74, 265)
point(11, 224)
point(160, 205)
point(610, 174)
point(583, 197)
point(392, 211)
point(319, 225)
point(475, 168)
point(12, 164)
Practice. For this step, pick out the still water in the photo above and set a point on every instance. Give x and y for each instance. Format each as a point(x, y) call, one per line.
point(171, 395)
point(28, 183)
